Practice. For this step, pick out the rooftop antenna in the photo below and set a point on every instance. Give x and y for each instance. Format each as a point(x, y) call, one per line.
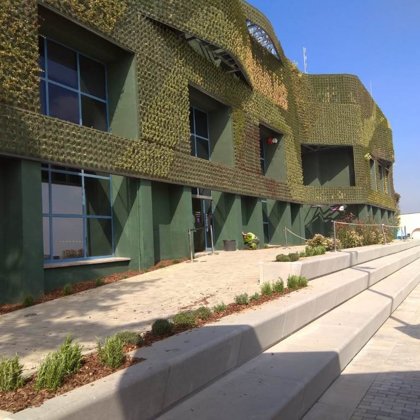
point(305, 61)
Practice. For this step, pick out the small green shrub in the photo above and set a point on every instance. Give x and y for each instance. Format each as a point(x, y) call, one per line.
point(315, 250)
point(99, 282)
point(317, 240)
point(282, 258)
point(255, 297)
point(67, 289)
point(28, 301)
point(302, 254)
point(203, 313)
point(292, 282)
point(162, 327)
point(220, 307)
point(266, 289)
point(242, 299)
point(309, 251)
point(65, 361)
point(111, 352)
point(10, 374)
point(302, 281)
point(185, 319)
point(278, 286)
point(294, 256)
point(130, 337)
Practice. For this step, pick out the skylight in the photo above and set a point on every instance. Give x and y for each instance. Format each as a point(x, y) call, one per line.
point(262, 37)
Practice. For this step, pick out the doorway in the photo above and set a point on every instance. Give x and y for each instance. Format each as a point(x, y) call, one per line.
point(203, 219)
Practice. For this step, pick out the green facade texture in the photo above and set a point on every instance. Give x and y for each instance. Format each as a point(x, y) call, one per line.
point(154, 76)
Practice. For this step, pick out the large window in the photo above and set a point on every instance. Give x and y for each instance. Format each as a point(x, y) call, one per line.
point(77, 215)
point(200, 137)
point(73, 86)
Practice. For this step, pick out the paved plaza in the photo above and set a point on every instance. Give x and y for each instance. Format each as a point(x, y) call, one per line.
point(383, 380)
point(131, 304)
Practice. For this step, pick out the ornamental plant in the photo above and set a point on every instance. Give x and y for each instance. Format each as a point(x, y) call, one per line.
point(10, 374)
point(111, 352)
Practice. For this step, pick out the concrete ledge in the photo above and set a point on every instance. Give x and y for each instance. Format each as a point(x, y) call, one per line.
point(176, 367)
point(288, 378)
point(92, 261)
point(317, 266)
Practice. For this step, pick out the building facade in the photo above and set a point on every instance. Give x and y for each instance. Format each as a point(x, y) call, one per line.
point(124, 124)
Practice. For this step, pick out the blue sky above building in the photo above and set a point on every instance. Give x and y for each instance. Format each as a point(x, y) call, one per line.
point(377, 40)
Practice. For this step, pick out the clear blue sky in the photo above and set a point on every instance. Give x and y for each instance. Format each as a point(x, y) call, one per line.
point(377, 40)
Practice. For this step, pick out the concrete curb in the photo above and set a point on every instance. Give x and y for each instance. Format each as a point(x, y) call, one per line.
point(313, 267)
point(287, 379)
point(179, 366)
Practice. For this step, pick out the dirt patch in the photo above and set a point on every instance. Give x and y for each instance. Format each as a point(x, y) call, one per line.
point(92, 369)
point(28, 396)
point(89, 284)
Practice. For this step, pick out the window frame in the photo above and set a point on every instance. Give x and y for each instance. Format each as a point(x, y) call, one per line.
point(44, 78)
point(194, 136)
point(84, 216)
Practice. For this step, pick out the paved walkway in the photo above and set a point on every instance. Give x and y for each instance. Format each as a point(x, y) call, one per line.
point(383, 380)
point(131, 304)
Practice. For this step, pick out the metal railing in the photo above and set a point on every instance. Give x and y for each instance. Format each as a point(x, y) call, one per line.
point(293, 233)
point(191, 239)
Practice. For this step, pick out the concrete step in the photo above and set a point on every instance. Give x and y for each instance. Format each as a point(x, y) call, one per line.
point(288, 378)
point(181, 365)
point(313, 267)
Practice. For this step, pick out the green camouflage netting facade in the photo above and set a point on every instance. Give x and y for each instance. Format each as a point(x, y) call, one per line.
point(306, 109)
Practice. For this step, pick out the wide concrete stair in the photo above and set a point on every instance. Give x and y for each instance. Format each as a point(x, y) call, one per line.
point(271, 362)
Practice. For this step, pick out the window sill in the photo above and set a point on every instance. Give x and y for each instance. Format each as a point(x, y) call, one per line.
point(86, 262)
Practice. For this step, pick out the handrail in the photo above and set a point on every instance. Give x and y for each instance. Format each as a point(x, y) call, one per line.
point(191, 240)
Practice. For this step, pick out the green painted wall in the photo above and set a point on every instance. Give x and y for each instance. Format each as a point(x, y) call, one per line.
point(279, 218)
point(221, 136)
point(172, 217)
point(297, 225)
point(329, 167)
point(275, 154)
point(227, 217)
point(56, 278)
point(126, 217)
point(22, 254)
point(252, 218)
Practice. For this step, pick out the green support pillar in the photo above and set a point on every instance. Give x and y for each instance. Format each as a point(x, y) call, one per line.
point(145, 204)
point(227, 218)
point(252, 217)
point(21, 269)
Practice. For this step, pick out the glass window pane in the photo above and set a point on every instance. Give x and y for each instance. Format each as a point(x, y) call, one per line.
point(62, 64)
point(41, 49)
point(63, 103)
point(203, 149)
point(191, 121)
point(67, 238)
point(45, 197)
point(98, 201)
point(46, 237)
point(94, 114)
point(92, 77)
point(43, 98)
point(99, 237)
point(193, 151)
point(66, 194)
point(201, 123)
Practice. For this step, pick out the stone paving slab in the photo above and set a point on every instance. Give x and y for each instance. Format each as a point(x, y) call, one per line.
point(383, 380)
point(131, 304)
